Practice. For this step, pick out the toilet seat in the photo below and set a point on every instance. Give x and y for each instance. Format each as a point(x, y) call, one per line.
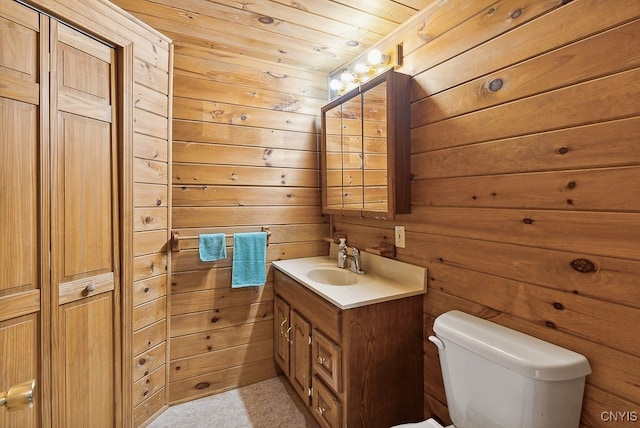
point(429, 423)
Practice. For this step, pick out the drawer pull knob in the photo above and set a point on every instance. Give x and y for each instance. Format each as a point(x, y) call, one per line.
point(321, 359)
point(320, 410)
point(90, 288)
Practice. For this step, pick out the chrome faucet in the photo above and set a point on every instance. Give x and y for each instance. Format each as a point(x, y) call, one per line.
point(356, 263)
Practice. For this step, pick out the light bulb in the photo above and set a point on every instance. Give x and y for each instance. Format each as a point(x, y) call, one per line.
point(335, 84)
point(375, 57)
point(347, 76)
point(361, 68)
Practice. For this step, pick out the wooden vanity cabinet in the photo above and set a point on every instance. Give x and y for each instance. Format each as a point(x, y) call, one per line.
point(355, 367)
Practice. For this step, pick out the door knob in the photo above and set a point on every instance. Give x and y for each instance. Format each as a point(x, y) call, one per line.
point(18, 396)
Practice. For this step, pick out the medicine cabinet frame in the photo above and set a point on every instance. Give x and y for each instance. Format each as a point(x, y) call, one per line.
point(363, 174)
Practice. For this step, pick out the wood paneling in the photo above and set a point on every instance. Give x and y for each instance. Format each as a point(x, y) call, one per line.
point(524, 199)
point(245, 155)
point(524, 128)
point(310, 35)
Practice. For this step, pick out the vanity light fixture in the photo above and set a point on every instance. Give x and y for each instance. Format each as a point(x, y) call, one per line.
point(363, 69)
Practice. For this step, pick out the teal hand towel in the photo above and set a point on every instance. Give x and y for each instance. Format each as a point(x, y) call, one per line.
point(212, 247)
point(249, 259)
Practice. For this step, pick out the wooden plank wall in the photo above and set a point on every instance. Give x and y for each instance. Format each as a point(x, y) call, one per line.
point(245, 155)
point(152, 219)
point(526, 191)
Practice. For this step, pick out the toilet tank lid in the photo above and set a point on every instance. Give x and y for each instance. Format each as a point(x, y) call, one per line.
point(511, 349)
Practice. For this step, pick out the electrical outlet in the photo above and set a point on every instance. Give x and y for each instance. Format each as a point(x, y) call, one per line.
point(400, 236)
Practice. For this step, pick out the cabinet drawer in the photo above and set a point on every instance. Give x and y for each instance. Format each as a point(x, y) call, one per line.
point(327, 361)
point(325, 406)
point(312, 307)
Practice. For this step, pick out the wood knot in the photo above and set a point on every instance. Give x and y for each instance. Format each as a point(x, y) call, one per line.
point(571, 185)
point(516, 13)
point(214, 319)
point(583, 265)
point(265, 20)
point(563, 150)
point(559, 306)
point(495, 85)
point(527, 221)
point(550, 324)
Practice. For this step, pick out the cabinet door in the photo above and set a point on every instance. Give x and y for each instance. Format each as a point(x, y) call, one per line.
point(20, 278)
point(352, 154)
point(325, 405)
point(332, 159)
point(374, 132)
point(281, 333)
point(84, 230)
point(300, 356)
point(327, 361)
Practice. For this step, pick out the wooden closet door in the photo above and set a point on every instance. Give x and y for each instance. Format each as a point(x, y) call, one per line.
point(85, 265)
point(20, 276)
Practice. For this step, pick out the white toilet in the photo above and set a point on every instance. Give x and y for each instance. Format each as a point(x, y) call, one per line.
point(497, 377)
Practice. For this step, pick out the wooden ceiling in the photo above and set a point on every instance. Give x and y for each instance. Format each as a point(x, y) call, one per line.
point(314, 35)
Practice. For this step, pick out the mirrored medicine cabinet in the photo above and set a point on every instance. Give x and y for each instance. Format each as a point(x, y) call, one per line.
point(365, 149)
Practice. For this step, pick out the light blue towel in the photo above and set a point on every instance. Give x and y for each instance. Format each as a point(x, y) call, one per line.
point(212, 247)
point(249, 259)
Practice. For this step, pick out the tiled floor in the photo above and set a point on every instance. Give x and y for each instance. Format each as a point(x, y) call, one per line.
point(268, 404)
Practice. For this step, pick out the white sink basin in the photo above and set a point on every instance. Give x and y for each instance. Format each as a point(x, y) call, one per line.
point(333, 276)
point(385, 279)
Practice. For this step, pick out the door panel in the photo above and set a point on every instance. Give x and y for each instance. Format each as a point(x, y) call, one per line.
point(19, 28)
point(18, 199)
point(19, 343)
point(20, 280)
point(84, 230)
point(86, 222)
point(88, 370)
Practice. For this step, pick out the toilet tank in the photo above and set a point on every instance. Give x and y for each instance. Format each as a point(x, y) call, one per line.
point(497, 377)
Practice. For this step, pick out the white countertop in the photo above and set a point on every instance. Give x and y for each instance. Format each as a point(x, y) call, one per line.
point(385, 279)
